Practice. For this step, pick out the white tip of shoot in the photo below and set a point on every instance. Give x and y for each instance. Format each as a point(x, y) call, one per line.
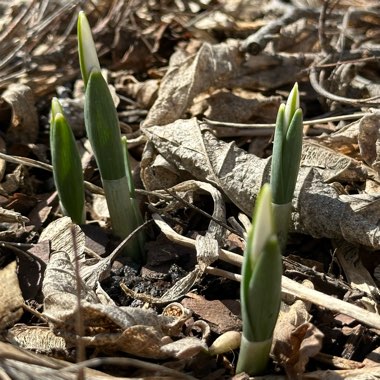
point(55, 108)
point(292, 104)
point(263, 227)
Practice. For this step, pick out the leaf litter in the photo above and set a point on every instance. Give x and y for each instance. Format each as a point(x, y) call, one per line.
point(204, 80)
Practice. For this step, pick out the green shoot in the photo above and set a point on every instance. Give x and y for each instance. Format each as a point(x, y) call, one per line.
point(287, 148)
point(260, 289)
point(88, 59)
point(103, 132)
point(67, 168)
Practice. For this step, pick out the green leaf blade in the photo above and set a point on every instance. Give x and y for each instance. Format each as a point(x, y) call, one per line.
point(88, 59)
point(67, 168)
point(265, 291)
point(277, 179)
point(102, 126)
point(292, 153)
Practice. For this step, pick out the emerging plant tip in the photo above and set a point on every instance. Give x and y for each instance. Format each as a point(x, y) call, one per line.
point(263, 228)
point(67, 168)
point(292, 105)
point(88, 59)
point(55, 107)
point(260, 288)
point(287, 148)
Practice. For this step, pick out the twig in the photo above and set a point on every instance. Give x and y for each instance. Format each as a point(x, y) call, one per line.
point(288, 286)
point(224, 255)
point(121, 362)
point(257, 42)
point(34, 312)
point(324, 120)
point(356, 102)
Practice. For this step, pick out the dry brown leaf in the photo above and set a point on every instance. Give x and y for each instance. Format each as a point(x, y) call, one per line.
point(217, 66)
point(156, 172)
point(295, 339)
point(304, 342)
point(357, 275)
point(14, 180)
point(229, 107)
point(217, 313)
point(11, 300)
point(23, 128)
point(9, 216)
point(318, 210)
point(332, 165)
point(60, 237)
point(369, 140)
point(188, 77)
point(38, 339)
point(145, 93)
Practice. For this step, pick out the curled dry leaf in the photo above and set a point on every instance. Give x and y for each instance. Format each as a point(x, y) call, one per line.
point(318, 209)
point(369, 140)
point(23, 127)
point(58, 233)
point(38, 339)
point(9, 216)
point(218, 66)
point(188, 77)
point(295, 339)
point(357, 275)
point(220, 314)
point(156, 172)
point(11, 300)
point(229, 107)
point(145, 93)
point(331, 165)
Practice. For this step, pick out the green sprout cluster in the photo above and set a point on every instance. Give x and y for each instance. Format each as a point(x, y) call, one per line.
point(110, 150)
point(260, 290)
point(262, 263)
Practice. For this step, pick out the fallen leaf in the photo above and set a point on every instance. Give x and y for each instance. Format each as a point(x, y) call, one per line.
point(295, 339)
point(11, 300)
point(217, 313)
point(318, 210)
point(23, 128)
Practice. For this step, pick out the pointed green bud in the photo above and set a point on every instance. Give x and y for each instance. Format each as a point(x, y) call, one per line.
point(287, 148)
point(88, 59)
point(263, 227)
point(67, 168)
point(292, 104)
point(260, 288)
point(286, 158)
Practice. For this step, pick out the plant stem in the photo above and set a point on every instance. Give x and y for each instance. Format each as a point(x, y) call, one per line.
point(253, 356)
point(281, 214)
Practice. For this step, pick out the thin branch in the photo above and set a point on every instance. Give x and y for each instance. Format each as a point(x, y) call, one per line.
point(257, 42)
point(354, 102)
point(288, 286)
